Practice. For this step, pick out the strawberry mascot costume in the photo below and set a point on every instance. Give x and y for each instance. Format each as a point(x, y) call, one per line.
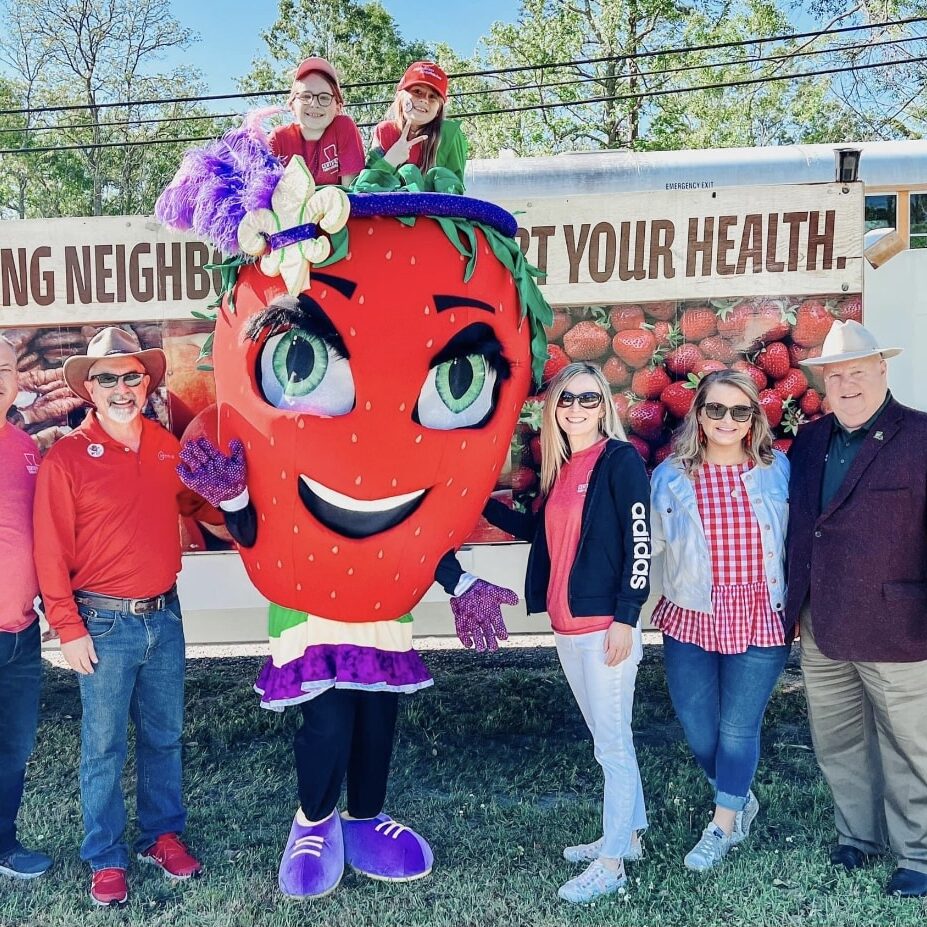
point(371, 355)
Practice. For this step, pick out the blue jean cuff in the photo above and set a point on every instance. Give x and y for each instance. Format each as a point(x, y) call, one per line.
point(730, 802)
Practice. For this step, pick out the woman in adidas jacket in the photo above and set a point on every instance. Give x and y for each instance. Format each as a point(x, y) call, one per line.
point(589, 569)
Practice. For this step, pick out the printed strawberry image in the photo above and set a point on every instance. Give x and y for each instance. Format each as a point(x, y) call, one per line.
point(646, 418)
point(586, 340)
point(678, 398)
point(617, 372)
point(557, 360)
point(634, 346)
point(684, 359)
point(698, 323)
point(375, 408)
point(774, 360)
point(559, 325)
point(752, 371)
point(623, 317)
point(717, 348)
point(771, 403)
point(649, 382)
point(792, 385)
point(664, 311)
point(813, 322)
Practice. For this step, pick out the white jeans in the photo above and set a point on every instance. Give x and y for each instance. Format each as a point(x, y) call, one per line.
point(605, 695)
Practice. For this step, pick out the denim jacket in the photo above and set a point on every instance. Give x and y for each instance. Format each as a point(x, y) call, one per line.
point(678, 533)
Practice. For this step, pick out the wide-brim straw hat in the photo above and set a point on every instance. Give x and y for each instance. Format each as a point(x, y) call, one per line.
point(113, 342)
point(848, 341)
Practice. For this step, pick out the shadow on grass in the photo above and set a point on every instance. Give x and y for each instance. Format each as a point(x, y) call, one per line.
point(495, 767)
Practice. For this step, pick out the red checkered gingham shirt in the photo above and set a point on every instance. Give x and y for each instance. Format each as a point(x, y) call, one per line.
point(743, 616)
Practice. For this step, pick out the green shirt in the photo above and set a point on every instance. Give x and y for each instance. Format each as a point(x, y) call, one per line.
point(451, 153)
point(841, 452)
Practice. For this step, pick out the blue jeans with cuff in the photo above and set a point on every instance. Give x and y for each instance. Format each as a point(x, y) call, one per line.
point(720, 699)
point(140, 675)
point(20, 684)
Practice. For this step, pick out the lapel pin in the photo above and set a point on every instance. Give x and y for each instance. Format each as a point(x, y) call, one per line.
point(878, 436)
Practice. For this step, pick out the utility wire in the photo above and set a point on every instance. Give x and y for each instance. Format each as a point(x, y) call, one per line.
point(492, 90)
point(489, 73)
point(513, 109)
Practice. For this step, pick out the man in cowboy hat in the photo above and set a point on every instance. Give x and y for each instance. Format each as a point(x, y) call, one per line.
point(857, 559)
point(107, 548)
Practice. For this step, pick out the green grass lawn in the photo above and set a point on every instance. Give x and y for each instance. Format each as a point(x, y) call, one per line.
point(494, 766)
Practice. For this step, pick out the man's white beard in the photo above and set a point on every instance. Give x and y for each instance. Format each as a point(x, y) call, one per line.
point(122, 414)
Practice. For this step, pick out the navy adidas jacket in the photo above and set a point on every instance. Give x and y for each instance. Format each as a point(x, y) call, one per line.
point(611, 571)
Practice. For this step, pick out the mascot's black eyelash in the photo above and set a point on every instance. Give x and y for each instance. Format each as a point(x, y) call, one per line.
point(478, 338)
point(300, 312)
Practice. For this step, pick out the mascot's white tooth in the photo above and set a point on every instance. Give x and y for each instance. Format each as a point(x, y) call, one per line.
point(333, 497)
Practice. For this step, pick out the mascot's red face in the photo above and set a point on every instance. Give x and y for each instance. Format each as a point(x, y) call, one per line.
point(376, 411)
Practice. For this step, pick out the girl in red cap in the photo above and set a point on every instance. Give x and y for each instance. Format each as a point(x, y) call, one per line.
point(322, 134)
point(415, 130)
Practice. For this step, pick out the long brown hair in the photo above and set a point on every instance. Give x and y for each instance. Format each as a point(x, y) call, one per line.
point(690, 451)
point(431, 130)
point(555, 449)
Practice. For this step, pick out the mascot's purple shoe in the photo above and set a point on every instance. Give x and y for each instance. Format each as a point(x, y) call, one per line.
point(313, 861)
point(385, 849)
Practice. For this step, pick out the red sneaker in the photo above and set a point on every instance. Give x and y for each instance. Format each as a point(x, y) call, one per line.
point(108, 888)
point(170, 854)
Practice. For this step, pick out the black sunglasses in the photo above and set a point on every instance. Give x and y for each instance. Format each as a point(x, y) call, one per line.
point(588, 400)
point(109, 380)
point(717, 411)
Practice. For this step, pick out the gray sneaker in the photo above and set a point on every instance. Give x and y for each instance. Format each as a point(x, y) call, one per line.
point(743, 819)
point(596, 881)
point(20, 863)
point(709, 851)
point(587, 852)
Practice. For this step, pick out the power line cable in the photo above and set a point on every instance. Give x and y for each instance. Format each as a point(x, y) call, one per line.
point(836, 49)
point(488, 73)
point(513, 109)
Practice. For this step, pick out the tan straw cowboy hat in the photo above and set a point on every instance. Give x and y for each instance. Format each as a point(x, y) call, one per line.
point(848, 341)
point(113, 342)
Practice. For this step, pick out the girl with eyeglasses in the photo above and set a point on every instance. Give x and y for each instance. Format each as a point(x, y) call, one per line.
point(326, 139)
point(720, 507)
point(415, 130)
point(589, 569)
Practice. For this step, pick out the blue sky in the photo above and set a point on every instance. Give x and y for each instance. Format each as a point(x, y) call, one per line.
point(230, 30)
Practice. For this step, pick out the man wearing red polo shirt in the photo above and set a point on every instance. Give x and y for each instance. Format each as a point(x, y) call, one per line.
point(107, 545)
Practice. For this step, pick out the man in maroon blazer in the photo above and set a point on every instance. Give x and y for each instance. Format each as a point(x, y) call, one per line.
point(857, 581)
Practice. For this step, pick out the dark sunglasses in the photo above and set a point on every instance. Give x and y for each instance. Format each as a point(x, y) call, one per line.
point(586, 400)
point(109, 380)
point(717, 411)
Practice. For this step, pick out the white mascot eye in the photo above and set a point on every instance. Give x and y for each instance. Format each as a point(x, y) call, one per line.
point(301, 372)
point(457, 393)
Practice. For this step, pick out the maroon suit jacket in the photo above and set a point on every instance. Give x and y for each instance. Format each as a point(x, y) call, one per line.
point(864, 559)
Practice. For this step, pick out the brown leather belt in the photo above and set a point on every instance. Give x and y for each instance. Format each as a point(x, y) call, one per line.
point(131, 606)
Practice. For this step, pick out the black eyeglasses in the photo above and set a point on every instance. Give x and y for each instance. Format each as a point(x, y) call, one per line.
point(109, 380)
point(324, 99)
point(586, 400)
point(717, 411)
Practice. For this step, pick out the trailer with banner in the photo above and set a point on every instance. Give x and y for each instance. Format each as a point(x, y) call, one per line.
point(659, 267)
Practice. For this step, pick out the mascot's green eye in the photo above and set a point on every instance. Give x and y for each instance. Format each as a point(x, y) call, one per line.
point(301, 372)
point(458, 393)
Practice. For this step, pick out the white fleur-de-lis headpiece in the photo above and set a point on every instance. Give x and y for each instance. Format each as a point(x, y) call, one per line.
point(283, 236)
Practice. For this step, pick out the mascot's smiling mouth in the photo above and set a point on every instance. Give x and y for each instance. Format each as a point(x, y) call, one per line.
point(356, 518)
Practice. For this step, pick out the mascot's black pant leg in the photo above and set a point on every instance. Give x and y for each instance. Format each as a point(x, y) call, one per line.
point(345, 732)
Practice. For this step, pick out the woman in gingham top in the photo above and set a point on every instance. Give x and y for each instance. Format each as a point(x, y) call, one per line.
point(719, 510)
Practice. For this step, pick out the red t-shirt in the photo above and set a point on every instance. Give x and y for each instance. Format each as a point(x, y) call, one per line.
point(19, 464)
point(106, 519)
point(338, 152)
point(563, 516)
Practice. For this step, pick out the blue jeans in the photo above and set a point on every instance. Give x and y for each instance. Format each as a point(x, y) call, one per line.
point(20, 682)
point(720, 699)
point(140, 674)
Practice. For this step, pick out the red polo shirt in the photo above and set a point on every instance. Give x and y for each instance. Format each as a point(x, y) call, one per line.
point(106, 519)
point(338, 152)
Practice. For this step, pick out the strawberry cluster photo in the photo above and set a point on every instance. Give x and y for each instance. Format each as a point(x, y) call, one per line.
point(653, 355)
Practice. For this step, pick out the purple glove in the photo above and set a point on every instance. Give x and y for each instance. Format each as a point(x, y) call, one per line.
point(210, 473)
point(477, 616)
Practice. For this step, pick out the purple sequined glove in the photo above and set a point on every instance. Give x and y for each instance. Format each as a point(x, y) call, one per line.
point(478, 617)
point(215, 476)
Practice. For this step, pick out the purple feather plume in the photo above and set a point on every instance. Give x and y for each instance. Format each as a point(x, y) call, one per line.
point(216, 185)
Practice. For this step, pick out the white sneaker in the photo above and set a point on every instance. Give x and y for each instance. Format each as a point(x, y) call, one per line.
point(595, 881)
point(709, 851)
point(587, 852)
point(743, 819)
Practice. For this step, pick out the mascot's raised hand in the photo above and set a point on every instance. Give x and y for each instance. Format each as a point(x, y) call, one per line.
point(217, 477)
point(478, 615)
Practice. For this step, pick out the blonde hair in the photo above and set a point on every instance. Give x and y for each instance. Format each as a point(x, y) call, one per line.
point(689, 451)
point(555, 449)
point(432, 130)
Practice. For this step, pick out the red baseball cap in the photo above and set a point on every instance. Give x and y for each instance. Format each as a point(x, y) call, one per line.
point(308, 65)
point(427, 73)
